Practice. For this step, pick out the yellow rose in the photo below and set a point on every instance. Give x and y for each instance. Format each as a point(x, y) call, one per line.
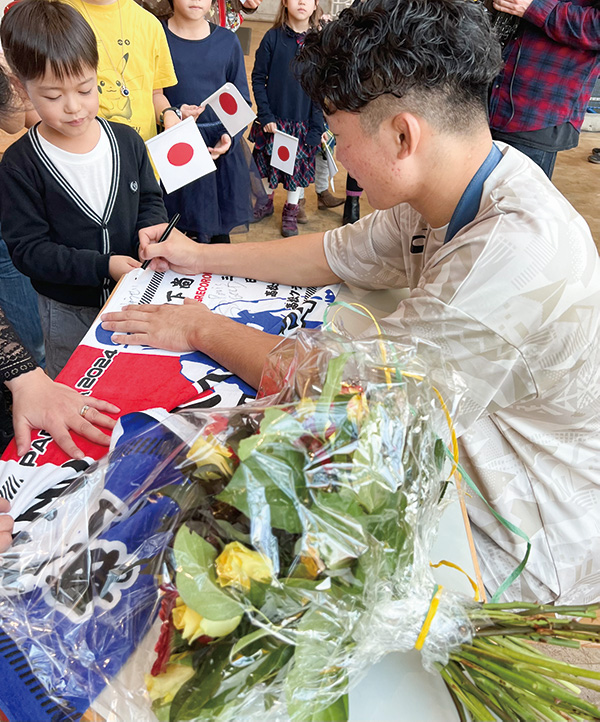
point(166, 685)
point(237, 565)
point(207, 451)
point(357, 408)
point(192, 625)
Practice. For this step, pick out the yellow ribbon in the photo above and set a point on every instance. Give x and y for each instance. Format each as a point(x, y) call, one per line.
point(433, 606)
point(473, 583)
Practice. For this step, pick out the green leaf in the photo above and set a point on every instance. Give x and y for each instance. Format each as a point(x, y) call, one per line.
point(246, 640)
point(275, 422)
point(272, 477)
point(202, 687)
point(314, 678)
point(238, 681)
point(334, 377)
point(336, 712)
point(196, 580)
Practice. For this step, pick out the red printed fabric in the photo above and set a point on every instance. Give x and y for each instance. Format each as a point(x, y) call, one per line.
point(139, 378)
point(550, 68)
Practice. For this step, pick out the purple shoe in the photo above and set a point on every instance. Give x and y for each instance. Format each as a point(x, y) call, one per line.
point(262, 209)
point(289, 220)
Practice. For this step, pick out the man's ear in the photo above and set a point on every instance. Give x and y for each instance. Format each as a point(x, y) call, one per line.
point(407, 133)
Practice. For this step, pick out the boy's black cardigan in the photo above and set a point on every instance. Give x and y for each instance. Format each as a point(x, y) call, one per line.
point(54, 237)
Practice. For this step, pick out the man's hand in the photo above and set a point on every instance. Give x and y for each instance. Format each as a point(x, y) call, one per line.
point(6, 525)
point(174, 328)
point(178, 252)
point(120, 265)
point(191, 111)
point(270, 127)
point(512, 7)
point(221, 147)
point(40, 403)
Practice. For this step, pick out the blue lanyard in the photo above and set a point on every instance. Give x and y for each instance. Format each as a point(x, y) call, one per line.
point(468, 205)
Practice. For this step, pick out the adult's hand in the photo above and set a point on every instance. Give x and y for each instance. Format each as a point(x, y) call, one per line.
point(178, 252)
point(251, 4)
point(270, 127)
point(192, 326)
point(174, 328)
point(6, 525)
point(40, 403)
point(512, 7)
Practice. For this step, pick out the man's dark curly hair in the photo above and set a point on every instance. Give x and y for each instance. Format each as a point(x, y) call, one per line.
point(438, 56)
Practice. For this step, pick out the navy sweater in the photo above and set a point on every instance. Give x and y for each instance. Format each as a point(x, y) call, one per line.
point(277, 92)
point(52, 234)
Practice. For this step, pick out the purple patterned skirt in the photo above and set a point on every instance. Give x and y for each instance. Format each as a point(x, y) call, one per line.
point(304, 168)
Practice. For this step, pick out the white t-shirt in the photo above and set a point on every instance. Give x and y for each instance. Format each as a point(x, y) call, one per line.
point(513, 303)
point(89, 174)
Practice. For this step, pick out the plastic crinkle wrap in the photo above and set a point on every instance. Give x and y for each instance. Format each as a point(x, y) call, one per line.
point(270, 552)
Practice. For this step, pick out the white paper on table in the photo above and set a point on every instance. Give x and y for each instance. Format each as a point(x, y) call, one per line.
point(180, 155)
point(331, 167)
point(231, 108)
point(283, 156)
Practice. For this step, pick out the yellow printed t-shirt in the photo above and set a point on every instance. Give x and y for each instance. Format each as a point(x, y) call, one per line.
point(141, 58)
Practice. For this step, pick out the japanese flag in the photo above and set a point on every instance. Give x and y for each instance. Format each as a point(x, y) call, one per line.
point(231, 108)
point(180, 155)
point(284, 152)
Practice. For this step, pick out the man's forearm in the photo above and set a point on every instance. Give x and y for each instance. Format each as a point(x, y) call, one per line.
point(240, 349)
point(298, 261)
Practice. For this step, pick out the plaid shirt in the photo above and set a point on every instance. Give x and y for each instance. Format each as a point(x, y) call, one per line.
point(552, 65)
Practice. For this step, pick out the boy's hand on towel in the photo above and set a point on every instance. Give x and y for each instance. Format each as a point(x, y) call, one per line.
point(221, 147)
point(6, 525)
point(178, 253)
point(120, 265)
point(191, 111)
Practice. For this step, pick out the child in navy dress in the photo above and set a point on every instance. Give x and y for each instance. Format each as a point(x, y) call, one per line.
point(283, 105)
point(205, 57)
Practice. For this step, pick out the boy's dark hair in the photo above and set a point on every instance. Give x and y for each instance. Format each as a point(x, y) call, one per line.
point(438, 56)
point(38, 35)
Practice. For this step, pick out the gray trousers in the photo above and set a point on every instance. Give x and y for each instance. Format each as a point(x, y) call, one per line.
point(63, 327)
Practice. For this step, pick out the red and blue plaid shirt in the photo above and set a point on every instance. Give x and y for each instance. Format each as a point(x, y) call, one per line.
point(550, 67)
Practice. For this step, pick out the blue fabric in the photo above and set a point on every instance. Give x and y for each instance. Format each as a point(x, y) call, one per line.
point(18, 300)
point(544, 158)
point(277, 91)
point(90, 619)
point(468, 205)
point(219, 202)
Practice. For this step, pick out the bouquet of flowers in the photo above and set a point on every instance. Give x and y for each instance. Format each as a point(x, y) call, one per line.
point(309, 514)
point(284, 546)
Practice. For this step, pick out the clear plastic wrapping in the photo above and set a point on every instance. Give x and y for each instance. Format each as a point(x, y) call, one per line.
point(273, 551)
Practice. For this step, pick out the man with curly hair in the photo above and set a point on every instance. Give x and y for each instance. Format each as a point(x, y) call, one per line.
point(503, 275)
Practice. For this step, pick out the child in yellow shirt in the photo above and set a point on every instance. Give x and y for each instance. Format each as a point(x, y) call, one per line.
point(135, 64)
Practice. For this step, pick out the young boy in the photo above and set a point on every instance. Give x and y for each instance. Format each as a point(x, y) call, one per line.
point(76, 189)
point(134, 64)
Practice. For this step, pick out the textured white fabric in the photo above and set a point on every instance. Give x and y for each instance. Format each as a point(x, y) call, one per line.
point(513, 303)
point(88, 173)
